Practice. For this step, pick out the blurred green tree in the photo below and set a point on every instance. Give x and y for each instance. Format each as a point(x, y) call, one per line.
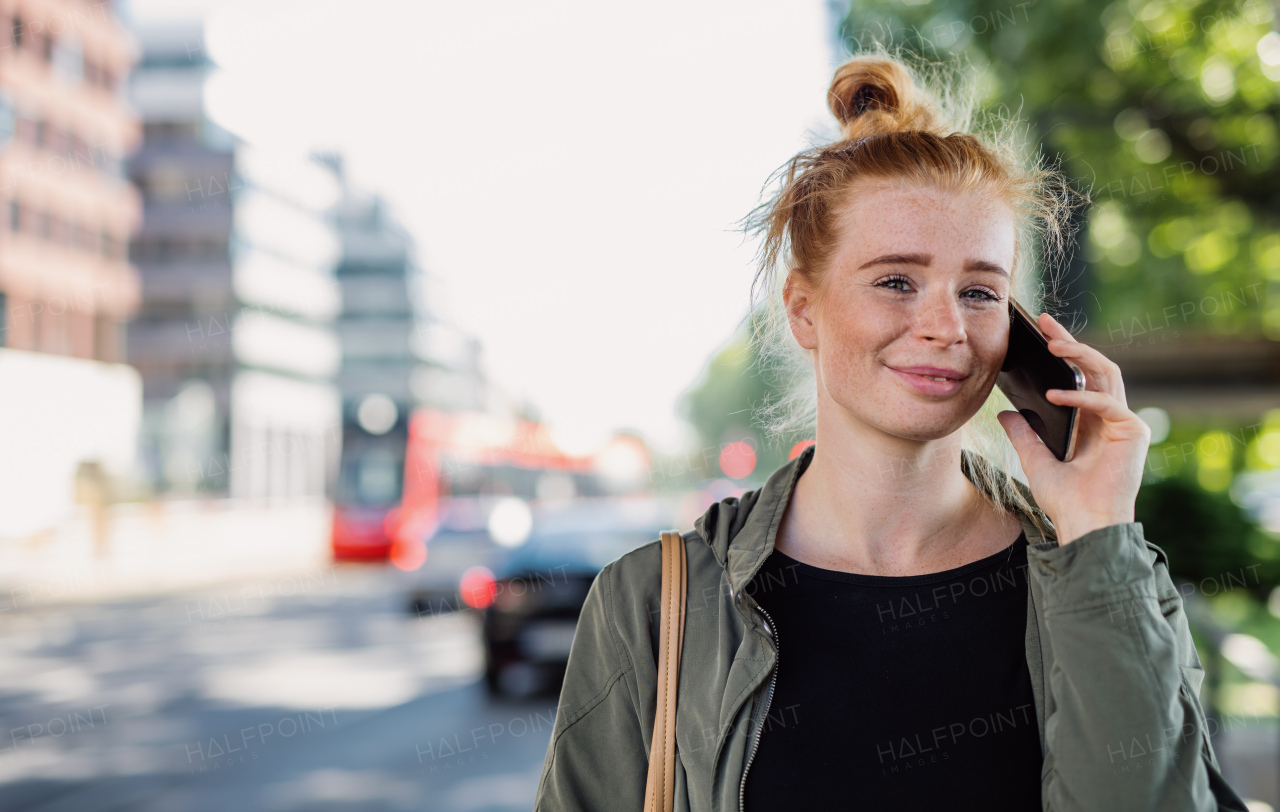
point(722, 406)
point(1209, 540)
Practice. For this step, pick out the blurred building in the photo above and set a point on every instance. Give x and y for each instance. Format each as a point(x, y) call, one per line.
point(234, 339)
point(380, 282)
point(397, 356)
point(66, 286)
point(393, 341)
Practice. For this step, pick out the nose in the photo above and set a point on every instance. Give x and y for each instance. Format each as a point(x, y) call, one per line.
point(938, 318)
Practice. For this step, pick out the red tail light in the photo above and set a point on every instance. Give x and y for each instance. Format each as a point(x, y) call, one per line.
point(407, 554)
point(477, 587)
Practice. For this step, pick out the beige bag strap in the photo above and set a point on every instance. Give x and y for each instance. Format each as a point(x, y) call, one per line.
point(660, 790)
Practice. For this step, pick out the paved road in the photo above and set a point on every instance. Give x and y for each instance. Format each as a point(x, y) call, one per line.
point(315, 693)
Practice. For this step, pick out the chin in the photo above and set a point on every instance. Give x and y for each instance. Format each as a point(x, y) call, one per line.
point(925, 433)
point(910, 424)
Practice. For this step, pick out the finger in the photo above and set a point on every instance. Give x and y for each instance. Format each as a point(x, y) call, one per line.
point(1100, 403)
point(1101, 373)
point(1032, 452)
point(1052, 328)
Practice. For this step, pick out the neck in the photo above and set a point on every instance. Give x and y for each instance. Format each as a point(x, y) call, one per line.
point(878, 504)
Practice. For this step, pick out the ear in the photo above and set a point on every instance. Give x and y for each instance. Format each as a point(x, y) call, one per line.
point(798, 299)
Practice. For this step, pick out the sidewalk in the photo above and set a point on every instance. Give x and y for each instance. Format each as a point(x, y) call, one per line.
point(165, 546)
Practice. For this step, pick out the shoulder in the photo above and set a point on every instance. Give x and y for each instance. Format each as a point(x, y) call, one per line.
point(638, 572)
point(646, 559)
point(632, 584)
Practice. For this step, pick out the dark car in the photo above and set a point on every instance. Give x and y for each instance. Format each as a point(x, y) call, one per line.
point(533, 593)
point(460, 542)
point(450, 555)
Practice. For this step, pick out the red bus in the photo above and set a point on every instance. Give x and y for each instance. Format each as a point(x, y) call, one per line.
point(390, 486)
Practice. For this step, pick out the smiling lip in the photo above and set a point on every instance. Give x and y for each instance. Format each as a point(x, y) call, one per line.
point(922, 379)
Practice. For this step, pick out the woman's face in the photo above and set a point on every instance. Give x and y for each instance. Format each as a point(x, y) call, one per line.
point(917, 289)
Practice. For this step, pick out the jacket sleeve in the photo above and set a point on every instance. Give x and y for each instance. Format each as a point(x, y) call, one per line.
point(597, 758)
point(1125, 729)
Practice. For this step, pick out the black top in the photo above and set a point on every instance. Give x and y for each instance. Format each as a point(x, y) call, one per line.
point(898, 692)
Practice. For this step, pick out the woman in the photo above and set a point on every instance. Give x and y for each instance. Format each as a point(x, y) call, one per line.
point(955, 639)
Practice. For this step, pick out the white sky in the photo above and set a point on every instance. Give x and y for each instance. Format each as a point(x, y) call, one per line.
point(572, 170)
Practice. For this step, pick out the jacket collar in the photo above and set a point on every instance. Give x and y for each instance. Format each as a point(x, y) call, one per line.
point(741, 530)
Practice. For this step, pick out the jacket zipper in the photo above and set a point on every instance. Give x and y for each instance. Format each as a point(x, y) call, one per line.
point(755, 742)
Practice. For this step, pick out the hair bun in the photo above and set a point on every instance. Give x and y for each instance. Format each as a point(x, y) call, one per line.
point(871, 95)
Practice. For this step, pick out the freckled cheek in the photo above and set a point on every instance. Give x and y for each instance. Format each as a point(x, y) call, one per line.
point(989, 348)
point(849, 356)
point(862, 326)
point(857, 345)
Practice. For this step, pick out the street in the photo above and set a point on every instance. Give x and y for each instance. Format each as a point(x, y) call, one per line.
point(317, 692)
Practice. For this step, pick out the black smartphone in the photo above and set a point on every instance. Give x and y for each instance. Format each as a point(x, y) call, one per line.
point(1029, 370)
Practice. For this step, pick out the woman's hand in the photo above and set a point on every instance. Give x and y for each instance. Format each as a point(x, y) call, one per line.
point(1100, 484)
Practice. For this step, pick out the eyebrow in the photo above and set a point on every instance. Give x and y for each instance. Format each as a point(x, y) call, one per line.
point(925, 259)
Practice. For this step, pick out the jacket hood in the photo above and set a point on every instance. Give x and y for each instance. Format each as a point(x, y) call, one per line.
point(741, 530)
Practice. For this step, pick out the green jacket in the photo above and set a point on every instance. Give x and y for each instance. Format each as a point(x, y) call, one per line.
point(1115, 674)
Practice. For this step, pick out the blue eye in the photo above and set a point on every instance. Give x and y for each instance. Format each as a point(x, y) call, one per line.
point(884, 283)
point(987, 295)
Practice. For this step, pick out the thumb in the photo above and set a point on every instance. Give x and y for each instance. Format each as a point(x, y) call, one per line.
point(1032, 452)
